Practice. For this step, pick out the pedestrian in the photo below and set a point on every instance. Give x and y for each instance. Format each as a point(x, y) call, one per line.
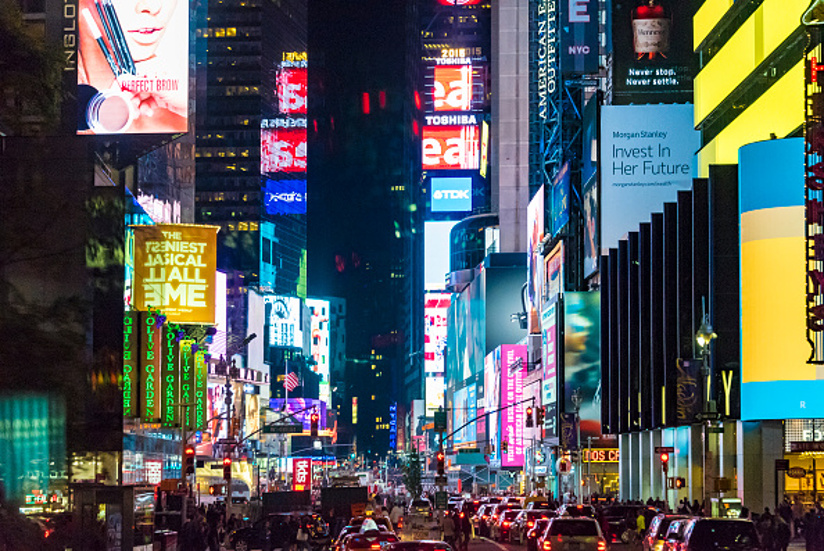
point(395, 516)
point(765, 530)
point(782, 533)
point(466, 528)
point(448, 527)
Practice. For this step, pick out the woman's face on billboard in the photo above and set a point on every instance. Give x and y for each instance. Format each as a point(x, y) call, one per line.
point(144, 23)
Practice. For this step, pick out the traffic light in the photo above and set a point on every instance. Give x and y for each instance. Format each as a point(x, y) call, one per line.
point(539, 416)
point(188, 460)
point(227, 468)
point(665, 462)
point(529, 421)
point(680, 482)
point(440, 457)
point(314, 418)
point(504, 446)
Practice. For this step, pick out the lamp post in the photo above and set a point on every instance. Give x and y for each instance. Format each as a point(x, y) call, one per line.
point(703, 338)
point(577, 400)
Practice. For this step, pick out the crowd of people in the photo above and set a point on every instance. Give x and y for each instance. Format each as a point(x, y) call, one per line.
point(208, 528)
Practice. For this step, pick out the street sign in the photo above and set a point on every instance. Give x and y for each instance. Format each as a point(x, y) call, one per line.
point(441, 499)
point(715, 430)
point(440, 421)
point(440, 481)
point(807, 446)
point(664, 449)
point(469, 450)
point(708, 416)
point(782, 464)
point(282, 429)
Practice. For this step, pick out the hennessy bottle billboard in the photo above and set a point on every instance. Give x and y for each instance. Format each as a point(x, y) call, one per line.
point(651, 26)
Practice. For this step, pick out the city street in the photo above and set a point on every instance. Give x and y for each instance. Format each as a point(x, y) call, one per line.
point(485, 544)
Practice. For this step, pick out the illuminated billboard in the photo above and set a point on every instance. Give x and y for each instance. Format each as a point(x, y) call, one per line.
point(452, 88)
point(776, 380)
point(560, 199)
point(436, 309)
point(652, 51)
point(292, 84)
point(492, 399)
point(303, 409)
point(579, 36)
point(435, 390)
point(301, 475)
point(582, 359)
point(534, 258)
point(174, 271)
point(549, 379)
point(458, 2)
point(450, 147)
point(282, 150)
point(436, 253)
point(319, 344)
point(465, 409)
point(284, 196)
point(451, 194)
point(283, 321)
point(513, 371)
point(133, 68)
point(647, 156)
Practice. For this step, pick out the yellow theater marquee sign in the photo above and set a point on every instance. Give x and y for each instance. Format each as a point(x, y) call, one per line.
point(175, 271)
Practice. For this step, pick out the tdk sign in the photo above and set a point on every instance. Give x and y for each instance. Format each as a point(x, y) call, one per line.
point(451, 194)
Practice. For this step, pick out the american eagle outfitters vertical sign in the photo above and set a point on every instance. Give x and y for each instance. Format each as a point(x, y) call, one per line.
point(175, 271)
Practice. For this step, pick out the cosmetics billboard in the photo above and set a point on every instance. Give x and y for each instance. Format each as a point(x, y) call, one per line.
point(776, 380)
point(175, 271)
point(647, 156)
point(534, 259)
point(450, 147)
point(549, 378)
point(652, 51)
point(492, 400)
point(513, 371)
point(133, 67)
point(435, 311)
point(582, 358)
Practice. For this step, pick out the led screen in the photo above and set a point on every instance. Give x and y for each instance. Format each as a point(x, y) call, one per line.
point(591, 251)
point(492, 399)
point(451, 147)
point(549, 381)
point(435, 389)
point(465, 409)
point(776, 380)
point(133, 67)
point(534, 257)
point(303, 405)
point(284, 196)
point(175, 271)
point(436, 309)
point(436, 253)
point(451, 194)
point(647, 156)
point(579, 36)
point(582, 358)
point(283, 321)
point(513, 370)
point(452, 89)
point(319, 345)
point(560, 199)
point(282, 150)
point(458, 2)
point(292, 90)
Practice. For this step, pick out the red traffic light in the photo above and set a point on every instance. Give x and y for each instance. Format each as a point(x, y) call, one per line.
point(440, 456)
point(190, 450)
point(664, 457)
point(227, 460)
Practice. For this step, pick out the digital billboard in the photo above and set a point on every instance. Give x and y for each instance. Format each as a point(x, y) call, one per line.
point(554, 266)
point(292, 90)
point(133, 67)
point(450, 147)
point(513, 371)
point(549, 361)
point(582, 358)
point(560, 199)
point(301, 475)
point(435, 393)
point(436, 253)
point(319, 345)
point(534, 258)
point(284, 196)
point(174, 271)
point(303, 409)
point(458, 2)
point(647, 156)
point(282, 150)
point(579, 36)
point(464, 406)
point(435, 311)
point(451, 194)
point(591, 227)
point(452, 88)
point(492, 398)
point(283, 321)
point(776, 380)
point(652, 51)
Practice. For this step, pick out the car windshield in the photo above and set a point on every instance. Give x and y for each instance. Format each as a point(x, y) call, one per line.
point(418, 546)
point(510, 515)
point(573, 528)
point(537, 513)
point(420, 503)
point(579, 511)
point(618, 511)
point(664, 526)
point(722, 534)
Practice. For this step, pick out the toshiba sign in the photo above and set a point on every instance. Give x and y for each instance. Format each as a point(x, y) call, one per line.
point(450, 147)
point(451, 194)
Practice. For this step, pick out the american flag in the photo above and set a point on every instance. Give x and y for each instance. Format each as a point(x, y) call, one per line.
point(291, 382)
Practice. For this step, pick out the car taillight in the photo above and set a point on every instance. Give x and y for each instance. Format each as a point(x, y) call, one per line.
point(547, 546)
point(530, 524)
point(506, 523)
point(462, 515)
point(375, 546)
point(602, 545)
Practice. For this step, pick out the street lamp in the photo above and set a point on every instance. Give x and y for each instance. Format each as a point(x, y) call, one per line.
point(577, 399)
point(703, 338)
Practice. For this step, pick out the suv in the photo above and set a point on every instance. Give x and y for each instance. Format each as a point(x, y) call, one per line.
point(577, 511)
point(524, 522)
point(479, 520)
point(654, 538)
point(567, 533)
point(617, 519)
point(702, 534)
point(501, 529)
point(675, 535)
point(420, 507)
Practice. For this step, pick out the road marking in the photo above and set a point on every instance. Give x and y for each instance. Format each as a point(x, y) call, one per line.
point(495, 543)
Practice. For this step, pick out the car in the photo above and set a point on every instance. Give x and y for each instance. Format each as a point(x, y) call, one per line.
point(572, 534)
point(420, 506)
point(525, 521)
point(418, 545)
point(674, 535)
point(533, 503)
point(500, 530)
point(658, 526)
point(470, 506)
point(479, 520)
point(617, 519)
point(370, 539)
point(534, 533)
point(701, 534)
point(570, 510)
point(275, 528)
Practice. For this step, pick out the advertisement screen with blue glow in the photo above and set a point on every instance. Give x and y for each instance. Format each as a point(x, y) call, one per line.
point(451, 194)
point(284, 196)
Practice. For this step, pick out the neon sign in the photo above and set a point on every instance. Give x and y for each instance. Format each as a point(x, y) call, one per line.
point(149, 359)
point(171, 352)
point(452, 90)
point(130, 364)
point(450, 147)
point(814, 196)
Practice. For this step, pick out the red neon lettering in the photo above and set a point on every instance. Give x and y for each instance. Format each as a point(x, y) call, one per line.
point(814, 69)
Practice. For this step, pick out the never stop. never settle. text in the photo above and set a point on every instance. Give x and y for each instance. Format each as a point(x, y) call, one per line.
point(172, 260)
